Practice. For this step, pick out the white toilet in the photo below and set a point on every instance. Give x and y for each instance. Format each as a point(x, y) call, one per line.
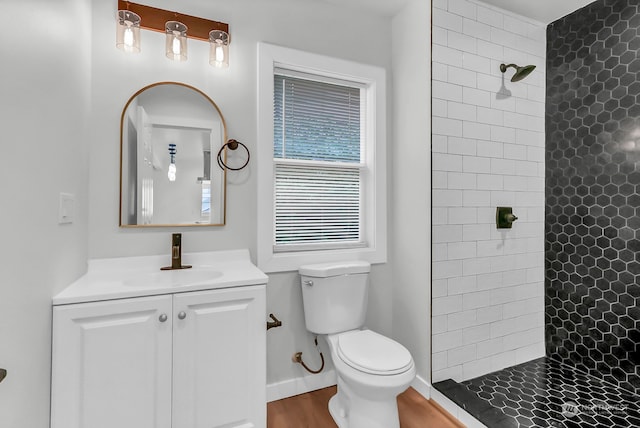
point(372, 369)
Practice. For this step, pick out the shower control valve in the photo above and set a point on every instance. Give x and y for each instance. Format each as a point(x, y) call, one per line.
point(505, 217)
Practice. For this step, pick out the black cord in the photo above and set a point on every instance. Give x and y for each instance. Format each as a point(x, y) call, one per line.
point(232, 145)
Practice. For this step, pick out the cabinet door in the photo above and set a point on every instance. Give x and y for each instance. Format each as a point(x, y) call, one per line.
point(219, 359)
point(112, 364)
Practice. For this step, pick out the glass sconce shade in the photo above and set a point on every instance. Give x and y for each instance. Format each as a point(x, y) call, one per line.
point(171, 172)
point(176, 44)
point(128, 31)
point(219, 49)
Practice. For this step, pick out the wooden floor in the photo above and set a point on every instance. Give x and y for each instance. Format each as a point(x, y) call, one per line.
point(310, 411)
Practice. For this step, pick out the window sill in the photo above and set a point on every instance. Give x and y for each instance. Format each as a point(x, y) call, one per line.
point(291, 261)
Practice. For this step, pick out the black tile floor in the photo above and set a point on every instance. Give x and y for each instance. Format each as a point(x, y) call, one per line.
point(544, 393)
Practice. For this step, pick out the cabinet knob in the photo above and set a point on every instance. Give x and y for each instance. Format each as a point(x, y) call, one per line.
point(182, 315)
point(163, 317)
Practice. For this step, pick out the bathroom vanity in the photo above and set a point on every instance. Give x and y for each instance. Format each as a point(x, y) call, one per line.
point(134, 347)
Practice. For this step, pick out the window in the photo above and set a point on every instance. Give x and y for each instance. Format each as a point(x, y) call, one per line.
point(317, 161)
point(321, 160)
point(205, 200)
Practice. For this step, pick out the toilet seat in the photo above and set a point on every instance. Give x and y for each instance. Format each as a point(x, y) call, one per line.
point(373, 353)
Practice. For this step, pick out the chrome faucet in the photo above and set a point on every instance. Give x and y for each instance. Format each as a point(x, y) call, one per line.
point(176, 253)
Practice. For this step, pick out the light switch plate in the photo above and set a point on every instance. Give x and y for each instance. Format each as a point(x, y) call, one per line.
point(66, 210)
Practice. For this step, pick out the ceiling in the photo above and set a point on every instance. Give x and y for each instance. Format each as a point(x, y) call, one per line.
point(379, 7)
point(545, 11)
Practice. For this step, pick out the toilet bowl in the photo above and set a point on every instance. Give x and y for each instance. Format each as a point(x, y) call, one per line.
point(372, 369)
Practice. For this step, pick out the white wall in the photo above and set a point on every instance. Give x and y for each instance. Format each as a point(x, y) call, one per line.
point(314, 26)
point(488, 151)
point(411, 189)
point(64, 85)
point(45, 104)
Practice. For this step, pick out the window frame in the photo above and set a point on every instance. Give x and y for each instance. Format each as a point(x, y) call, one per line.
point(272, 58)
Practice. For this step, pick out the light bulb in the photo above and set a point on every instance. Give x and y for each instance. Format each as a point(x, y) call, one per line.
point(171, 174)
point(176, 43)
point(128, 37)
point(219, 54)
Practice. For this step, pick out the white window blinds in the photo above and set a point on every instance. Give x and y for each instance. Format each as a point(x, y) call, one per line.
point(318, 167)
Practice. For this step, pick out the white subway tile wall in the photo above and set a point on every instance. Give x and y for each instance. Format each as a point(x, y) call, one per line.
point(488, 151)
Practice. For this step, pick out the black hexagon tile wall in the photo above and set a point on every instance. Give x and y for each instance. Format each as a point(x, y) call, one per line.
point(593, 191)
point(591, 374)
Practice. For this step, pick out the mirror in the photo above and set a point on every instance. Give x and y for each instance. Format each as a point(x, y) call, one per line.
point(170, 135)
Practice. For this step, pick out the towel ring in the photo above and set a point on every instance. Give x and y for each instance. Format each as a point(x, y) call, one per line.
point(232, 145)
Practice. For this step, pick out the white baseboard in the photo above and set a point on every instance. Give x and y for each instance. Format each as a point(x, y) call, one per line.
point(422, 386)
point(300, 385)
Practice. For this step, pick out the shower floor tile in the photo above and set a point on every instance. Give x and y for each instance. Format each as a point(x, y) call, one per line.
point(545, 393)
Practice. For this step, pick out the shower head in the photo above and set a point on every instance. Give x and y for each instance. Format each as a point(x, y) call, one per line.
point(521, 72)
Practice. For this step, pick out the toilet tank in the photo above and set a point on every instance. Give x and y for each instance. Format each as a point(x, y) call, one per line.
point(334, 296)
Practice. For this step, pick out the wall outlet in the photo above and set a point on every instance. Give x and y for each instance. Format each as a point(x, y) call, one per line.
point(66, 209)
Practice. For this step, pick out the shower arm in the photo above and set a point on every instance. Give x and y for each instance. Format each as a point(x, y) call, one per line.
point(503, 67)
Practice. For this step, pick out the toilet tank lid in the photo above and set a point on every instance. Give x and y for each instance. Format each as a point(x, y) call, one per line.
point(323, 270)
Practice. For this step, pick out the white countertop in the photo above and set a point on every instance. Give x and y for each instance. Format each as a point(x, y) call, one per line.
point(118, 278)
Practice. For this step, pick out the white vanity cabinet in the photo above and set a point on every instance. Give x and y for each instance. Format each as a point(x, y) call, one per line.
point(181, 360)
point(219, 359)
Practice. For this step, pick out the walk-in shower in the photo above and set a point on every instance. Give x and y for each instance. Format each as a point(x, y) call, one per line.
point(586, 371)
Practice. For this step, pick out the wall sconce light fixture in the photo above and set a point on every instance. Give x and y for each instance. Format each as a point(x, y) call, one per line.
point(219, 50)
point(128, 31)
point(133, 16)
point(176, 44)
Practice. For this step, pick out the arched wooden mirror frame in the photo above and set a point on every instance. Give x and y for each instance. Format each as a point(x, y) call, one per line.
point(124, 183)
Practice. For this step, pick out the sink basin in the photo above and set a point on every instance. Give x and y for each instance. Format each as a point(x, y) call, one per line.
point(174, 278)
point(139, 276)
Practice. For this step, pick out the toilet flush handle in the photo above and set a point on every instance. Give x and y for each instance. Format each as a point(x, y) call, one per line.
point(308, 282)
